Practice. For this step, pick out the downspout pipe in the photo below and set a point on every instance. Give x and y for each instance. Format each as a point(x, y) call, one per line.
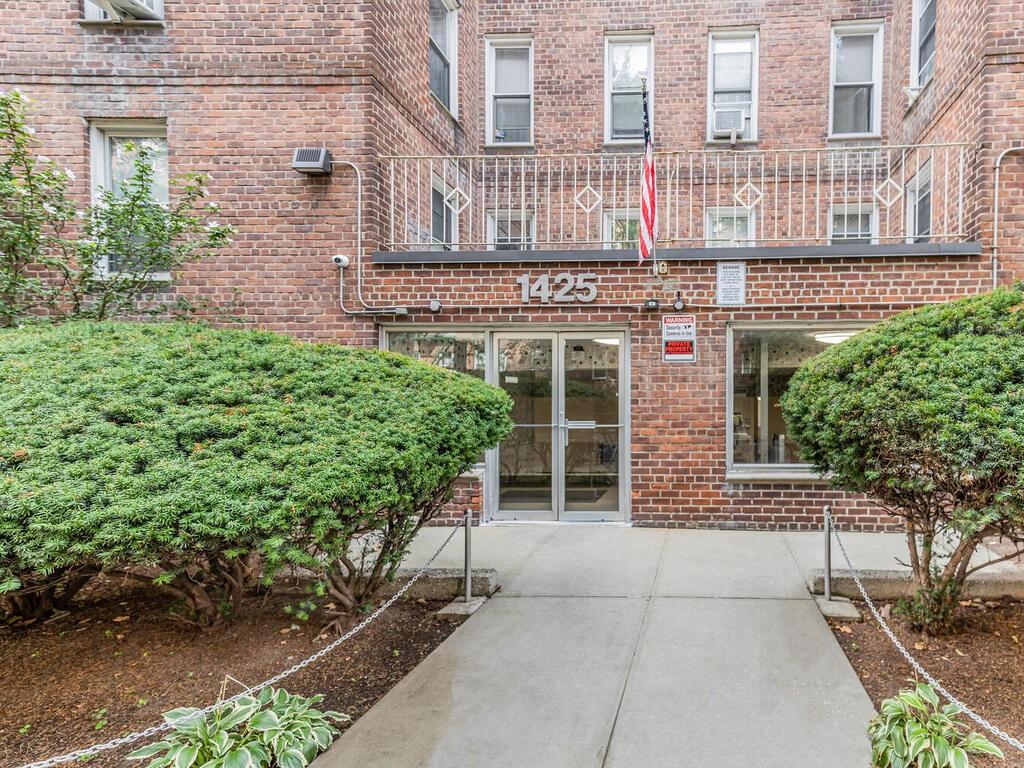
point(995, 216)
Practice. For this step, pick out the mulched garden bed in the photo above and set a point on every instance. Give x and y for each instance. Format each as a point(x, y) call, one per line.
point(983, 664)
point(119, 661)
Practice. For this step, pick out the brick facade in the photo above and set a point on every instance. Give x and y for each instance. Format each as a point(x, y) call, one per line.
point(241, 84)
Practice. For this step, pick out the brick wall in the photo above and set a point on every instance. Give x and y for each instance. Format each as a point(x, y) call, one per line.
point(241, 84)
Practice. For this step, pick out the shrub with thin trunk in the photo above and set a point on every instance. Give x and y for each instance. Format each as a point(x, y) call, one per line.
point(200, 461)
point(925, 413)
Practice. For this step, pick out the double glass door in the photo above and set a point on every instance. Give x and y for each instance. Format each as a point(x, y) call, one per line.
point(565, 458)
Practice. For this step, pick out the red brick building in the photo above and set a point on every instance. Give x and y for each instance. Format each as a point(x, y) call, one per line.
point(822, 164)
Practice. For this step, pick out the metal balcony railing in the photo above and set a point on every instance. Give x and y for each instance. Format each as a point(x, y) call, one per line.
point(870, 195)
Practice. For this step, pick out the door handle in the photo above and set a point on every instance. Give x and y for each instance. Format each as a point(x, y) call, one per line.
point(580, 425)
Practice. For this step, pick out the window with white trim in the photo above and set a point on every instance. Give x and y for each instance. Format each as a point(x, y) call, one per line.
point(145, 10)
point(855, 103)
point(853, 223)
point(728, 227)
point(622, 229)
point(444, 47)
point(443, 217)
point(732, 85)
point(919, 205)
point(510, 230)
point(510, 91)
point(761, 362)
point(922, 43)
point(114, 148)
point(629, 59)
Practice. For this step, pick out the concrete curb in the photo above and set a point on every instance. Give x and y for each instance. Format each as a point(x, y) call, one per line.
point(444, 583)
point(435, 583)
point(892, 585)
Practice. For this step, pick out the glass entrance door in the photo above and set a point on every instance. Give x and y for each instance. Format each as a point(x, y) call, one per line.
point(564, 458)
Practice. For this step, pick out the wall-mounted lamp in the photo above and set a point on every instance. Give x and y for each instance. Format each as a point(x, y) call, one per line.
point(678, 305)
point(435, 306)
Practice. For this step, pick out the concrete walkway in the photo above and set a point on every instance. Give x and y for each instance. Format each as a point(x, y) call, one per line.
point(624, 648)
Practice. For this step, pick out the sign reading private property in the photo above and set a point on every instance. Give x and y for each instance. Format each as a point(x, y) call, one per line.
point(732, 284)
point(679, 338)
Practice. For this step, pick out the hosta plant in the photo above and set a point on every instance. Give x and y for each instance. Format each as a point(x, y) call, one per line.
point(914, 730)
point(274, 729)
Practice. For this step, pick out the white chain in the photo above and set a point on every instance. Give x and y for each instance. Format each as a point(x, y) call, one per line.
point(994, 730)
point(131, 738)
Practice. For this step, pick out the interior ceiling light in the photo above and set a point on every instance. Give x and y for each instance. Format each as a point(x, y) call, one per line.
point(832, 337)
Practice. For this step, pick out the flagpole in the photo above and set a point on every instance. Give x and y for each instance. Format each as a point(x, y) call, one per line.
point(649, 146)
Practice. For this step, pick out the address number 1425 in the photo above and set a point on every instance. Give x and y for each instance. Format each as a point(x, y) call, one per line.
point(560, 288)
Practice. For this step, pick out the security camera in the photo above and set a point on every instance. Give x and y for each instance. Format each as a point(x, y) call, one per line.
point(340, 260)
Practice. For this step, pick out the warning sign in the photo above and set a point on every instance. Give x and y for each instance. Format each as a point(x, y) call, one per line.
point(679, 338)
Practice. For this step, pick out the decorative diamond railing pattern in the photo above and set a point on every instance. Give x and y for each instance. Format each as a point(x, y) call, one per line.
point(587, 201)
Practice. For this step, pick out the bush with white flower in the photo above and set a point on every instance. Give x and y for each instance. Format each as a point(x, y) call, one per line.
point(98, 262)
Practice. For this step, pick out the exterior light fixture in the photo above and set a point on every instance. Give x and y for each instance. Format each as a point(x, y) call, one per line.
point(652, 305)
point(435, 306)
point(678, 305)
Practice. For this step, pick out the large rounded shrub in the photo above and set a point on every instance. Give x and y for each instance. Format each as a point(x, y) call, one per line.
point(925, 413)
point(201, 459)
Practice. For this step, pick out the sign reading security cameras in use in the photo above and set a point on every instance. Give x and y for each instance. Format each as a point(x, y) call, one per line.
point(679, 338)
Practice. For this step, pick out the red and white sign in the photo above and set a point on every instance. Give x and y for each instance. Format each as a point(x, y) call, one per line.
point(679, 338)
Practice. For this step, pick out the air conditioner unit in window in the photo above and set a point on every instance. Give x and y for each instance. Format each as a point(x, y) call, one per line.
point(119, 10)
point(728, 124)
point(313, 161)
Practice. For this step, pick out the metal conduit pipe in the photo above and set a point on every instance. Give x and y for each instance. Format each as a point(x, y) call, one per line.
point(995, 216)
point(342, 262)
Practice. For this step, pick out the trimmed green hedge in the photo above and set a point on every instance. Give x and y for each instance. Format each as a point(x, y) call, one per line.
point(925, 413)
point(178, 453)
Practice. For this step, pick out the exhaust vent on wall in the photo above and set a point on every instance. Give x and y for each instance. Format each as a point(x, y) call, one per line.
point(313, 161)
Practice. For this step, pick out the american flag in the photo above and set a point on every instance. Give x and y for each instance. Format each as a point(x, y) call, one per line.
point(649, 195)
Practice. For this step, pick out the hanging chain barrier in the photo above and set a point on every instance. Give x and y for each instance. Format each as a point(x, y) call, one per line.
point(917, 666)
point(133, 738)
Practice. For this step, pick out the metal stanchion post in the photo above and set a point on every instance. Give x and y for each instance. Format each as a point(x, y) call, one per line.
point(468, 522)
point(828, 553)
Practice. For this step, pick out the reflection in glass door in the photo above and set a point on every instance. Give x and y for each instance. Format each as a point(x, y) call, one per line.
point(526, 457)
point(564, 458)
point(591, 422)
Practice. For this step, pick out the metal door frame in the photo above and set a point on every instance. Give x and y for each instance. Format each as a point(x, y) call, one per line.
point(559, 437)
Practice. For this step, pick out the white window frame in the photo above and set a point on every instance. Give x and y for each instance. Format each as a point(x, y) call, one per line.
point(453, 59)
point(730, 210)
point(100, 165)
point(609, 218)
point(916, 84)
point(440, 185)
point(764, 471)
point(913, 193)
point(511, 215)
point(746, 33)
point(93, 12)
point(629, 38)
point(493, 44)
point(860, 28)
point(838, 209)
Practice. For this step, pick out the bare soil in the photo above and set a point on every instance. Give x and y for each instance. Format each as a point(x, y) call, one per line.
point(116, 663)
point(982, 664)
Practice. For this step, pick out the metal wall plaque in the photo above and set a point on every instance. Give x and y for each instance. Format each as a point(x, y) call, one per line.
point(563, 288)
